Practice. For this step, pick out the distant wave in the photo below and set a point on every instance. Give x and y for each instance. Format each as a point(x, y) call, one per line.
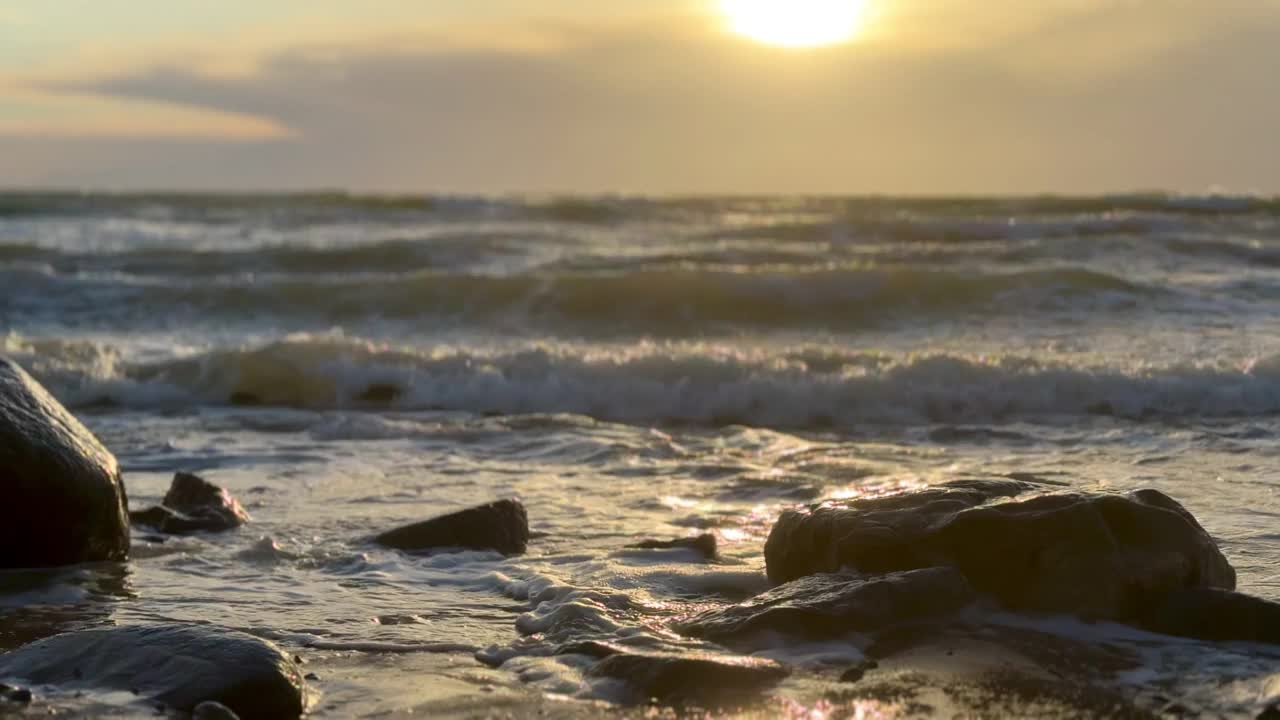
point(314, 206)
point(659, 302)
point(653, 384)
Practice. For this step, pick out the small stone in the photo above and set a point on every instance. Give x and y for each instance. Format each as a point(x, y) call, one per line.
point(192, 505)
point(705, 544)
point(857, 672)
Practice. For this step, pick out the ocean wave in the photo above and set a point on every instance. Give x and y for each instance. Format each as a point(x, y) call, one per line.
point(455, 249)
point(661, 302)
point(594, 209)
point(654, 384)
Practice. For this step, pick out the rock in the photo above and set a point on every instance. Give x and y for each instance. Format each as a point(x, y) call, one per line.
point(705, 544)
point(502, 525)
point(831, 605)
point(1033, 547)
point(63, 488)
point(693, 678)
point(180, 666)
point(1216, 615)
point(193, 504)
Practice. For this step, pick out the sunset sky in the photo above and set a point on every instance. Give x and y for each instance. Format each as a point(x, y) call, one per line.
point(641, 96)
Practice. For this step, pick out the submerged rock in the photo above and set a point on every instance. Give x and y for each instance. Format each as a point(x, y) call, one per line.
point(705, 544)
point(193, 504)
point(502, 525)
point(693, 678)
point(62, 487)
point(1033, 547)
point(180, 666)
point(830, 605)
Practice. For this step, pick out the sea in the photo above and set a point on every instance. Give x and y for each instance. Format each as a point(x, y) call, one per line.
point(631, 368)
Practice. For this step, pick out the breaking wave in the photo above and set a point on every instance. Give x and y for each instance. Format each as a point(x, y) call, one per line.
point(653, 384)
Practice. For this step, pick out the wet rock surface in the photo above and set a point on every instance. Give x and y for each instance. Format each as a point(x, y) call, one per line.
point(1031, 546)
point(1215, 615)
point(178, 666)
point(829, 605)
point(67, 485)
point(192, 505)
point(700, 679)
point(955, 668)
point(502, 525)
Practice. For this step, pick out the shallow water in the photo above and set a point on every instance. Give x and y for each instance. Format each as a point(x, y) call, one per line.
point(631, 369)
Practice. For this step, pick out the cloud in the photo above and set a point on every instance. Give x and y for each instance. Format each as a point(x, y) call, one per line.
point(33, 114)
point(662, 108)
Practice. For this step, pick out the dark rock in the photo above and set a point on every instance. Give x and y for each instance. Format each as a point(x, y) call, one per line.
point(1032, 547)
point(502, 525)
point(193, 504)
point(693, 678)
point(180, 666)
point(859, 671)
point(829, 605)
point(1270, 712)
point(63, 488)
point(1217, 615)
point(705, 544)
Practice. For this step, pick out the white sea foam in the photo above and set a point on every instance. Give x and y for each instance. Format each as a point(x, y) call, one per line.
point(712, 385)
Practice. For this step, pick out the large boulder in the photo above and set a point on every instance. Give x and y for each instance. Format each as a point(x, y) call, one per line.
point(193, 504)
point(179, 666)
point(831, 605)
point(63, 488)
point(502, 525)
point(1033, 547)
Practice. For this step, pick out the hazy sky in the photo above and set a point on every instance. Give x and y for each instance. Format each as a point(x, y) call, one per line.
point(652, 96)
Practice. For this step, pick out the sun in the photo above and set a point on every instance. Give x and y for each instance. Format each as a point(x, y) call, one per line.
point(795, 23)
